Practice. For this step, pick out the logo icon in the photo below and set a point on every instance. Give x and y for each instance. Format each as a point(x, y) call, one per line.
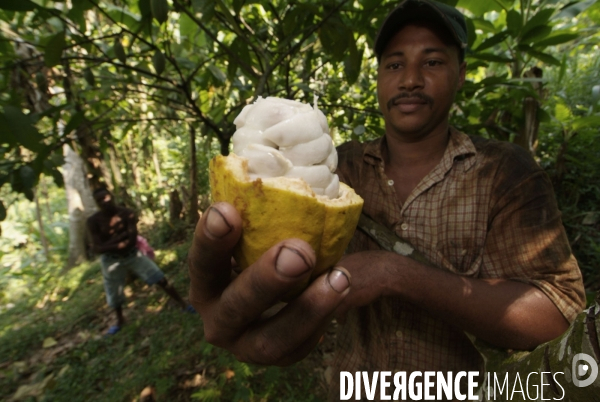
point(583, 365)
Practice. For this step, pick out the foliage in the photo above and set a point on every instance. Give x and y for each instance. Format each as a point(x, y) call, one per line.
point(115, 77)
point(23, 266)
point(51, 347)
point(96, 73)
point(570, 150)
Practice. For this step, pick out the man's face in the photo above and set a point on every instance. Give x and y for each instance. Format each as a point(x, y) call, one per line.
point(418, 77)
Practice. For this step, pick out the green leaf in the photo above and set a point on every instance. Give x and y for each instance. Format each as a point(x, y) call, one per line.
point(240, 49)
point(492, 41)
point(541, 18)
point(41, 81)
point(296, 18)
point(543, 116)
point(217, 111)
point(75, 122)
point(76, 14)
point(237, 5)
point(585, 122)
point(485, 25)
point(594, 13)
point(58, 177)
point(557, 40)
point(144, 6)
point(160, 10)
point(352, 63)
point(563, 68)
point(505, 4)
point(493, 81)
point(474, 65)
point(514, 22)
point(27, 176)
point(88, 74)
point(21, 127)
point(41, 159)
point(538, 33)
point(85, 4)
point(217, 73)
point(562, 112)
point(54, 49)
point(334, 38)
point(452, 3)
point(159, 62)
point(124, 16)
point(490, 57)
point(479, 7)
point(544, 57)
point(18, 5)
point(573, 10)
point(6, 135)
point(471, 32)
point(204, 7)
point(119, 51)
point(188, 27)
point(57, 159)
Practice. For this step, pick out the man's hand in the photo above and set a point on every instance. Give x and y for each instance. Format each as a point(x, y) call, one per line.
point(369, 279)
point(232, 307)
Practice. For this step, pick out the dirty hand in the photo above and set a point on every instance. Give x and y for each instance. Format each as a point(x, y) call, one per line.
point(233, 307)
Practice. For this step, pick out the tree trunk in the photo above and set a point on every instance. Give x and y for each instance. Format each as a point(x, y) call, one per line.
point(528, 133)
point(156, 166)
point(38, 213)
point(175, 207)
point(114, 167)
point(133, 161)
point(87, 140)
point(193, 215)
point(46, 202)
point(80, 205)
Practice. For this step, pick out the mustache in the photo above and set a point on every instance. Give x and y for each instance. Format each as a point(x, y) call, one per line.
point(402, 95)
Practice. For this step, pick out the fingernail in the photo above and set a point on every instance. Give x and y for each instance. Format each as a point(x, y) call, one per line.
point(291, 263)
point(338, 280)
point(216, 224)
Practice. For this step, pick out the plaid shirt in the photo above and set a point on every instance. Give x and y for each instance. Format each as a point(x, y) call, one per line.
point(487, 210)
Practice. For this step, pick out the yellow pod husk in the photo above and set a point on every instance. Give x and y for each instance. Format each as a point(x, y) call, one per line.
point(275, 209)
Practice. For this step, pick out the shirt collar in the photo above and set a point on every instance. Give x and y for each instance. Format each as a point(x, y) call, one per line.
point(460, 148)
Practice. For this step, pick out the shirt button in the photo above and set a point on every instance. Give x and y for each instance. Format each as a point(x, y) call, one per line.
point(399, 334)
point(390, 182)
point(404, 226)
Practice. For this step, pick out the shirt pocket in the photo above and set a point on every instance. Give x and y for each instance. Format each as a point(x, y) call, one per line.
point(461, 255)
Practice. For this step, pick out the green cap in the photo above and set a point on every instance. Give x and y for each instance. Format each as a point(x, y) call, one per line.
point(419, 10)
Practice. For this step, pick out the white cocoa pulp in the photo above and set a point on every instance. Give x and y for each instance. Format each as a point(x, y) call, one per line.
point(282, 137)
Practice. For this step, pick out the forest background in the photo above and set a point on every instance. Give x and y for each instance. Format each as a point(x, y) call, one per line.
point(141, 94)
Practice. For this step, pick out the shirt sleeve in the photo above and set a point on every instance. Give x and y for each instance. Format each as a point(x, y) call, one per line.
point(527, 242)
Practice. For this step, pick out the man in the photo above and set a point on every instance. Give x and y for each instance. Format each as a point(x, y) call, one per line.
point(482, 212)
point(114, 234)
